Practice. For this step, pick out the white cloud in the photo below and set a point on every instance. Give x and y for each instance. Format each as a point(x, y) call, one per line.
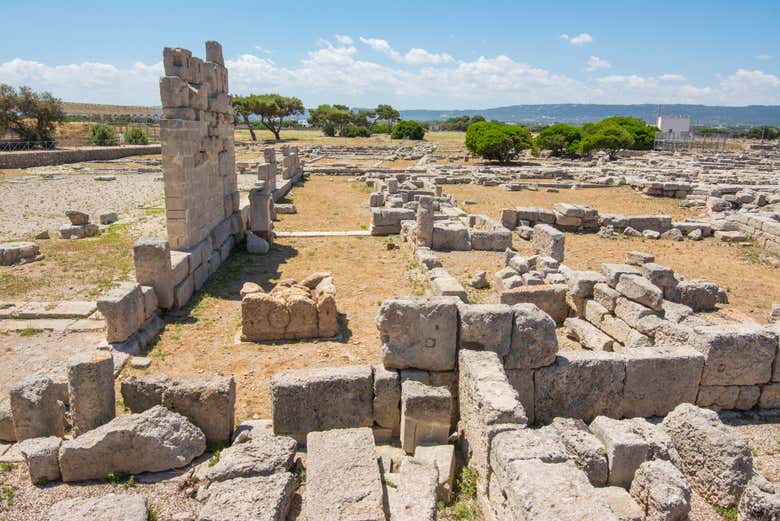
point(414, 56)
point(595, 63)
point(263, 50)
point(672, 77)
point(344, 39)
point(338, 73)
point(580, 39)
point(764, 57)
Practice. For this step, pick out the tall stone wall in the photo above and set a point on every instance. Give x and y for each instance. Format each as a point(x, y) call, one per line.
point(198, 157)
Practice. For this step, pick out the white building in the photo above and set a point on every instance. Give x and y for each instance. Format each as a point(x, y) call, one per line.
point(677, 126)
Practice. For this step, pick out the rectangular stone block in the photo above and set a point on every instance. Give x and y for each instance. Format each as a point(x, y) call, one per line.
point(485, 327)
point(418, 333)
point(152, 258)
point(182, 292)
point(548, 241)
point(658, 379)
point(36, 408)
point(549, 298)
point(580, 384)
point(534, 342)
point(342, 476)
point(123, 310)
point(425, 415)
point(320, 399)
point(387, 399)
point(735, 354)
point(91, 391)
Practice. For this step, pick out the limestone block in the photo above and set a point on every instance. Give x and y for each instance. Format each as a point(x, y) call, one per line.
point(612, 272)
point(660, 378)
point(255, 453)
point(91, 391)
point(443, 458)
point(580, 384)
point(174, 92)
point(770, 396)
point(515, 445)
point(123, 309)
point(760, 501)
point(718, 397)
point(582, 283)
point(485, 327)
point(522, 381)
point(76, 217)
point(660, 276)
point(80, 231)
point(616, 328)
point(662, 491)
point(605, 296)
point(549, 298)
point(41, 455)
point(387, 399)
point(534, 343)
point(6, 421)
point(208, 402)
point(425, 215)
point(716, 458)
point(36, 408)
point(342, 476)
point(639, 258)
point(449, 235)
point(628, 444)
point(142, 393)
point(640, 290)
point(548, 241)
point(308, 400)
point(266, 498)
point(699, 295)
point(735, 354)
point(419, 333)
point(588, 335)
point(152, 441)
point(111, 507)
point(584, 448)
point(416, 493)
point(425, 415)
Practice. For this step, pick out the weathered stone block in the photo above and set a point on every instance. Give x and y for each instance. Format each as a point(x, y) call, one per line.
point(735, 355)
point(36, 408)
point(418, 333)
point(640, 290)
point(308, 400)
point(342, 476)
point(584, 448)
point(111, 507)
point(662, 491)
point(266, 498)
point(123, 309)
point(548, 241)
point(152, 258)
point(534, 343)
point(91, 391)
point(41, 455)
point(658, 379)
point(580, 384)
point(425, 415)
point(485, 327)
point(716, 458)
point(387, 399)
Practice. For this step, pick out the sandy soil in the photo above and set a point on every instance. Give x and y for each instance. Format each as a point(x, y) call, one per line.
point(202, 337)
point(327, 204)
point(490, 200)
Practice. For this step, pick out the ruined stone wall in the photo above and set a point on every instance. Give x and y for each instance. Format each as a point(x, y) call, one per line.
point(30, 159)
point(198, 157)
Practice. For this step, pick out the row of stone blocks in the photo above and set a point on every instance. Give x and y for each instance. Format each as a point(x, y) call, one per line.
point(764, 230)
point(611, 469)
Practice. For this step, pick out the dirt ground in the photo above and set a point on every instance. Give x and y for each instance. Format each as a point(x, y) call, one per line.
point(490, 200)
point(336, 203)
point(201, 339)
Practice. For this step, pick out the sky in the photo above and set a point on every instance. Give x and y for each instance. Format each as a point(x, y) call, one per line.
point(422, 54)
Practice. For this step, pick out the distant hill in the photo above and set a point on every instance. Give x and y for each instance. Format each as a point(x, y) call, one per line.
point(705, 115)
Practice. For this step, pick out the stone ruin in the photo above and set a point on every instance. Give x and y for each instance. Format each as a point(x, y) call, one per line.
point(79, 227)
point(291, 310)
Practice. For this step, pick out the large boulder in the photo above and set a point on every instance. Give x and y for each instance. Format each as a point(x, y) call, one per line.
point(760, 501)
point(716, 458)
point(152, 441)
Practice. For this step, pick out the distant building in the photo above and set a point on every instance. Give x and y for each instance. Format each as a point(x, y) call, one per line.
point(674, 126)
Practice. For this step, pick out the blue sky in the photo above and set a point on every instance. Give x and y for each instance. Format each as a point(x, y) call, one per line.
point(412, 54)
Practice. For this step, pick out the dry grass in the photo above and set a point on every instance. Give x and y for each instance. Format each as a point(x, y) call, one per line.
point(490, 200)
point(201, 337)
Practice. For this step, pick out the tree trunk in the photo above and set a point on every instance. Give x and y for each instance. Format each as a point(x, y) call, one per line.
point(251, 130)
point(277, 133)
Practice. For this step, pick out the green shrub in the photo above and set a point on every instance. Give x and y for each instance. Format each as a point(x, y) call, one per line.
point(380, 128)
point(560, 139)
point(102, 136)
point(356, 131)
point(408, 129)
point(497, 142)
point(136, 136)
point(329, 129)
point(611, 138)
